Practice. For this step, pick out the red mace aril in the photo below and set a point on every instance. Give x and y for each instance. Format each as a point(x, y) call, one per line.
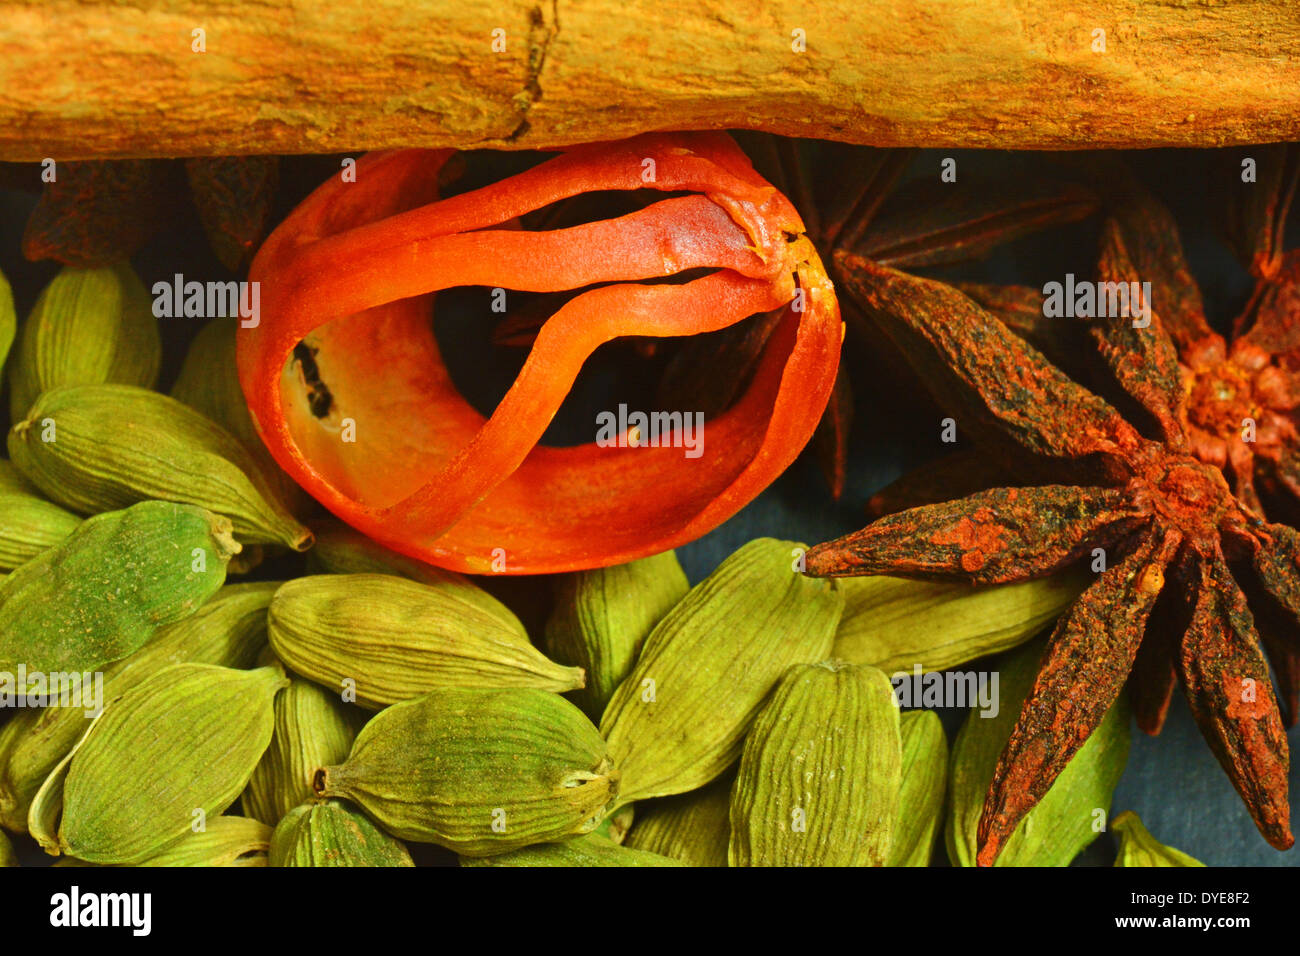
point(345, 350)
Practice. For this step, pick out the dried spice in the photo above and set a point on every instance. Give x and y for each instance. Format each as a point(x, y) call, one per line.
point(209, 384)
point(820, 779)
point(115, 445)
point(28, 523)
point(603, 616)
point(680, 717)
point(1137, 847)
point(107, 589)
point(8, 322)
point(920, 224)
point(234, 196)
point(925, 778)
point(478, 771)
point(1073, 811)
point(590, 850)
point(101, 213)
point(229, 630)
point(422, 471)
point(333, 833)
point(170, 752)
point(313, 727)
point(693, 827)
point(1166, 525)
point(224, 841)
point(89, 326)
point(384, 639)
point(898, 624)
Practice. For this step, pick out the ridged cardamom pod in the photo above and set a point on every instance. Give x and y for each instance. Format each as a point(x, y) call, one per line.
point(896, 623)
point(230, 630)
point(313, 728)
point(680, 717)
point(107, 589)
point(1070, 815)
point(694, 827)
point(1137, 847)
point(478, 771)
point(333, 833)
point(92, 448)
point(603, 616)
point(615, 826)
point(590, 850)
point(172, 751)
point(340, 549)
point(7, 855)
point(28, 523)
point(225, 841)
point(88, 327)
point(925, 778)
point(821, 774)
point(209, 384)
point(392, 639)
point(8, 322)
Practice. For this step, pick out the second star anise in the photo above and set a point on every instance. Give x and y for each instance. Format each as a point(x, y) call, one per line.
point(1175, 537)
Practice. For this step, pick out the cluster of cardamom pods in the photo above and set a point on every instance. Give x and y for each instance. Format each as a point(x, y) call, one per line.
point(373, 702)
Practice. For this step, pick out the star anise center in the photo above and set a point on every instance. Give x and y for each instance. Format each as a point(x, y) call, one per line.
point(1187, 495)
point(1221, 397)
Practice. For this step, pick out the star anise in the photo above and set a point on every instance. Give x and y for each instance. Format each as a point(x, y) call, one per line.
point(1174, 537)
point(861, 206)
point(1240, 408)
point(99, 213)
point(1265, 347)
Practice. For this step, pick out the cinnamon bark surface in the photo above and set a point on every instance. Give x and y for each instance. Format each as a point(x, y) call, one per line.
point(117, 79)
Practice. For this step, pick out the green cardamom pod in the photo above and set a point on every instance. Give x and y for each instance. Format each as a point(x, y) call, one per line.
point(226, 841)
point(108, 588)
point(680, 717)
point(1137, 847)
point(209, 384)
point(7, 855)
point(925, 778)
point(1070, 815)
point(313, 728)
point(478, 771)
point(590, 850)
point(332, 833)
point(895, 624)
point(230, 630)
point(340, 549)
point(13, 730)
point(615, 826)
point(694, 827)
point(28, 523)
point(387, 639)
point(175, 749)
point(92, 448)
point(603, 616)
point(88, 327)
point(821, 773)
point(8, 322)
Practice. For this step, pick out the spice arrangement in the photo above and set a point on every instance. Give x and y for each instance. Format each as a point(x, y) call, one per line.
point(323, 609)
